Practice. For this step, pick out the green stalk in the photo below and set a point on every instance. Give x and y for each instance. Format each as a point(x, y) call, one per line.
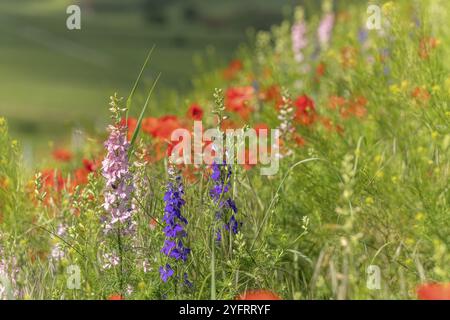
point(141, 116)
point(119, 242)
point(213, 270)
point(130, 97)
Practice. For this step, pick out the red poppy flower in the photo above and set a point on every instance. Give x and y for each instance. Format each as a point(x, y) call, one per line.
point(327, 123)
point(80, 176)
point(272, 94)
point(245, 113)
point(115, 297)
point(62, 155)
point(161, 149)
point(258, 295)
point(330, 126)
point(305, 113)
point(299, 140)
point(189, 173)
point(237, 100)
point(52, 184)
point(426, 45)
point(163, 146)
point(153, 223)
point(53, 179)
point(320, 70)
point(150, 125)
point(434, 291)
point(233, 68)
point(195, 112)
point(166, 125)
point(131, 124)
point(357, 107)
point(339, 129)
point(336, 102)
point(420, 94)
point(352, 107)
point(162, 127)
point(89, 165)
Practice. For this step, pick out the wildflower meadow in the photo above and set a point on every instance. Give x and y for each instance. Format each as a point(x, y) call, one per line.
point(313, 165)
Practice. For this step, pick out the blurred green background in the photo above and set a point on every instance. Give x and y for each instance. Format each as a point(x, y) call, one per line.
point(53, 79)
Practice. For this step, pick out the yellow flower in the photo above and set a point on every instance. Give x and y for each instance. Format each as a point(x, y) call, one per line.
point(404, 85)
point(378, 159)
point(379, 174)
point(331, 53)
point(395, 89)
point(409, 241)
point(369, 201)
point(420, 216)
point(434, 135)
point(347, 194)
point(437, 243)
point(436, 89)
point(394, 179)
point(388, 7)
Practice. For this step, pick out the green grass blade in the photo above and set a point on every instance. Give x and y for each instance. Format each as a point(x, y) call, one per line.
point(272, 202)
point(141, 116)
point(130, 97)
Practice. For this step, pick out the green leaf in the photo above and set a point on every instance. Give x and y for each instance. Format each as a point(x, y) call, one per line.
point(130, 97)
point(141, 116)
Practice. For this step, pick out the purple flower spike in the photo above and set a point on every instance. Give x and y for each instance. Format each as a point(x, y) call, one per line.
point(119, 187)
point(166, 272)
point(299, 40)
point(175, 225)
point(221, 174)
point(325, 29)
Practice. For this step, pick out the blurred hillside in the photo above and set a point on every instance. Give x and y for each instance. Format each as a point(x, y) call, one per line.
point(53, 79)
